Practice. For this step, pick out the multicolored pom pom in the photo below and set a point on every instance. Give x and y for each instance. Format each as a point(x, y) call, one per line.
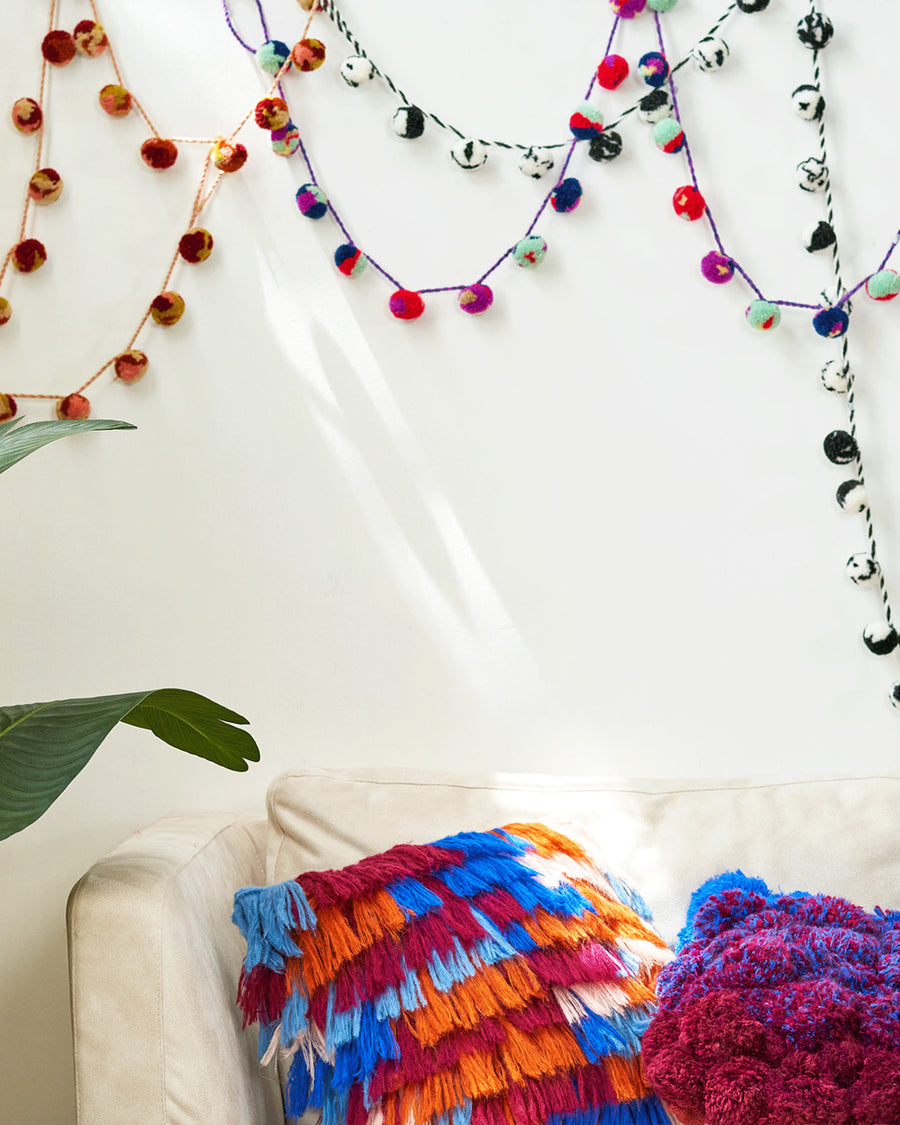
point(710, 53)
point(469, 154)
point(272, 56)
point(45, 186)
point(566, 195)
point(530, 251)
point(115, 100)
point(586, 122)
point(840, 447)
point(73, 408)
point(286, 141)
point(831, 322)
point(535, 162)
point(130, 366)
point(159, 153)
point(308, 54)
point(763, 315)
point(851, 496)
point(884, 285)
point(476, 298)
point(628, 9)
point(880, 637)
point(27, 115)
point(350, 260)
point(653, 68)
point(58, 48)
point(195, 245)
point(409, 122)
point(717, 268)
point(607, 146)
point(312, 201)
point(612, 72)
point(668, 135)
point(90, 38)
point(357, 70)
point(167, 308)
point(228, 156)
point(8, 408)
point(406, 304)
point(689, 204)
point(5, 311)
point(271, 113)
point(28, 255)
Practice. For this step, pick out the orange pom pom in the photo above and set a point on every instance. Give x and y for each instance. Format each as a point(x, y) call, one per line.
point(115, 100)
point(308, 54)
point(73, 408)
point(27, 115)
point(228, 157)
point(159, 153)
point(130, 366)
point(45, 186)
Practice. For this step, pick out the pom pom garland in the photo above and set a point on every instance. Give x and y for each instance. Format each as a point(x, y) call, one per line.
point(356, 70)
point(884, 285)
point(530, 251)
point(406, 304)
point(130, 366)
point(27, 115)
point(831, 322)
point(308, 54)
point(45, 186)
point(8, 408)
point(653, 68)
point(815, 31)
point(566, 195)
point(612, 72)
point(717, 268)
point(851, 496)
point(228, 156)
point(535, 162)
point(862, 569)
point(469, 154)
point(710, 54)
point(286, 141)
point(272, 56)
point(312, 201)
point(167, 308)
point(73, 408)
point(195, 245)
point(628, 9)
point(89, 38)
point(688, 203)
point(159, 153)
point(607, 146)
point(835, 377)
point(409, 122)
point(271, 113)
point(880, 637)
point(840, 447)
point(58, 48)
point(349, 260)
point(655, 106)
point(5, 311)
point(808, 102)
point(763, 315)
point(28, 255)
point(115, 100)
point(476, 299)
point(586, 122)
point(668, 135)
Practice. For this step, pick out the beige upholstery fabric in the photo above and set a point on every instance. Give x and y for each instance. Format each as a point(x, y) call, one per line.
point(154, 962)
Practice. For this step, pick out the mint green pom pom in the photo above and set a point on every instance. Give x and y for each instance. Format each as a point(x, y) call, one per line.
point(661, 5)
point(668, 135)
point(884, 285)
point(763, 315)
point(530, 251)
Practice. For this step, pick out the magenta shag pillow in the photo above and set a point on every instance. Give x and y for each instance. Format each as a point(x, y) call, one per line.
point(780, 1009)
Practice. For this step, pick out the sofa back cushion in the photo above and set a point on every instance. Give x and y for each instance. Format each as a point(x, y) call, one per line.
point(835, 835)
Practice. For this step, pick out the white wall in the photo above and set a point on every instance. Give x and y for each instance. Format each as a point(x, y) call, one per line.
point(590, 531)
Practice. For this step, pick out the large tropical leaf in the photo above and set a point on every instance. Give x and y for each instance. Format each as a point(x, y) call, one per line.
point(18, 441)
point(43, 746)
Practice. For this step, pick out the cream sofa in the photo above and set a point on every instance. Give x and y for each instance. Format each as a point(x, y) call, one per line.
point(154, 958)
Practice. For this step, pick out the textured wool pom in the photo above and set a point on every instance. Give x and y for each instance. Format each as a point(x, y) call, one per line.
point(668, 135)
point(167, 308)
point(831, 322)
point(350, 260)
point(286, 141)
point(308, 54)
point(815, 31)
point(90, 38)
point(409, 122)
point(530, 251)
point(72, 408)
point(27, 115)
point(8, 408)
point(605, 147)
point(711, 53)
point(628, 9)
point(819, 237)
point(476, 298)
point(653, 68)
point(716, 267)
point(312, 201)
point(272, 56)
point(880, 637)
point(406, 304)
point(840, 448)
point(271, 113)
point(812, 175)
point(884, 285)
point(58, 48)
point(752, 5)
point(469, 154)
point(535, 162)
point(28, 255)
point(612, 72)
point(228, 156)
point(808, 102)
point(195, 245)
point(862, 569)
point(45, 186)
point(115, 100)
point(159, 153)
point(655, 106)
point(586, 122)
point(356, 70)
point(763, 315)
point(688, 203)
point(566, 195)
point(5, 311)
point(661, 5)
point(130, 366)
point(835, 377)
point(851, 496)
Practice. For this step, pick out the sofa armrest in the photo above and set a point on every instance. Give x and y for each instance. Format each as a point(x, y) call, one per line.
point(153, 968)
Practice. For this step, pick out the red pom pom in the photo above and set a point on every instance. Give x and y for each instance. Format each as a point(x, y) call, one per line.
point(406, 304)
point(272, 113)
point(73, 407)
point(58, 48)
point(28, 255)
point(689, 203)
point(8, 408)
point(159, 153)
point(195, 245)
point(612, 72)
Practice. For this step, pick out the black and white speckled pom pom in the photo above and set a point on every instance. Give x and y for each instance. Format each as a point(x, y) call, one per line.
point(815, 31)
point(819, 237)
point(808, 102)
point(655, 106)
point(469, 154)
point(862, 569)
point(835, 377)
point(840, 447)
point(752, 5)
point(409, 122)
point(711, 53)
point(880, 637)
point(357, 70)
point(852, 496)
point(536, 162)
point(605, 146)
point(812, 175)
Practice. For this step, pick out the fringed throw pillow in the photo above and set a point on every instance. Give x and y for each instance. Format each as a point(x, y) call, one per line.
point(780, 1009)
point(489, 978)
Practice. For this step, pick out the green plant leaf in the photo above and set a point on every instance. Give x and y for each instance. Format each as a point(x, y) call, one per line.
point(17, 441)
point(43, 746)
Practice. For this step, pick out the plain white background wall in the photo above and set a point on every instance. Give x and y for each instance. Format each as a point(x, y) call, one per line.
point(590, 531)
